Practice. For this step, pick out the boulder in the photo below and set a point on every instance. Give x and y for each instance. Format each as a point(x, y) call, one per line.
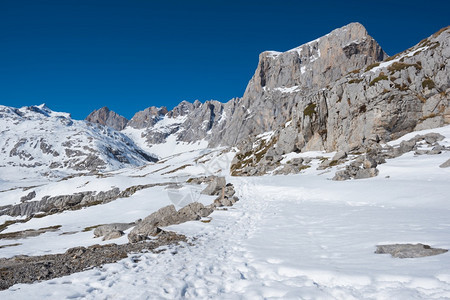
point(115, 234)
point(366, 173)
point(193, 211)
point(369, 162)
point(409, 250)
point(166, 216)
point(104, 230)
point(215, 186)
point(339, 155)
point(433, 137)
point(445, 164)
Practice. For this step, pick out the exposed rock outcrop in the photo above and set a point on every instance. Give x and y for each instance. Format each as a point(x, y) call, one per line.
point(409, 250)
point(61, 203)
point(106, 117)
point(29, 269)
point(369, 105)
point(148, 117)
point(113, 230)
point(168, 215)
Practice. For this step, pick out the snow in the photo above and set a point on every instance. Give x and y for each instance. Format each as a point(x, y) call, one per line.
point(272, 54)
point(172, 146)
point(303, 69)
point(24, 158)
point(297, 236)
point(287, 90)
point(315, 56)
point(390, 62)
point(300, 48)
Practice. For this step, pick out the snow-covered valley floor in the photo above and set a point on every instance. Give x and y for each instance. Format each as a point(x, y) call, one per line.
point(292, 237)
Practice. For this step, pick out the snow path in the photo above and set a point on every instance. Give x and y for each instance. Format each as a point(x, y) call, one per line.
point(284, 239)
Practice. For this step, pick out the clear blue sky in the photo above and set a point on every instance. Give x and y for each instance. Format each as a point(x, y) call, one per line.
point(80, 55)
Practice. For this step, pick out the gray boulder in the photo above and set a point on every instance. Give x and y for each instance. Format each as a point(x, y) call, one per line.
point(339, 155)
point(433, 137)
point(149, 226)
point(104, 230)
point(445, 164)
point(409, 250)
point(193, 211)
point(115, 234)
point(366, 173)
point(215, 186)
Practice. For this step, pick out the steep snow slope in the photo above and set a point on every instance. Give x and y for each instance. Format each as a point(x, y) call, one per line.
point(289, 237)
point(37, 141)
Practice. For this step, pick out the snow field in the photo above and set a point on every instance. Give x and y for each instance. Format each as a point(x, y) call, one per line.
point(289, 237)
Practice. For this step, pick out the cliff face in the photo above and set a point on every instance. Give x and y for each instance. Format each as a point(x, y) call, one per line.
point(372, 104)
point(339, 92)
point(281, 80)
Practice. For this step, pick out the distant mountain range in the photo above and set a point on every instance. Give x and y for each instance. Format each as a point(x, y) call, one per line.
point(37, 139)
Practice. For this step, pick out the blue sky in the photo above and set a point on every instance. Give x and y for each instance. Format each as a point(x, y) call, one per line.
point(77, 56)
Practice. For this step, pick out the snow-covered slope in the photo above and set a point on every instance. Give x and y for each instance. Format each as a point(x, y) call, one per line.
point(289, 237)
point(37, 141)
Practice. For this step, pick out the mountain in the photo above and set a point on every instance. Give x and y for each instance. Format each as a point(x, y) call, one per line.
point(38, 139)
point(338, 92)
point(108, 118)
point(279, 86)
point(331, 110)
point(358, 111)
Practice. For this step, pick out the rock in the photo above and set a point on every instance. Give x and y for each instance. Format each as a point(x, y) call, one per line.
point(297, 161)
point(445, 164)
point(104, 230)
point(149, 226)
point(339, 155)
point(215, 186)
point(148, 117)
point(115, 234)
point(433, 137)
point(29, 269)
point(60, 203)
point(369, 162)
point(168, 216)
point(108, 118)
point(408, 250)
point(406, 146)
point(28, 197)
point(366, 173)
point(191, 212)
point(324, 164)
point(342, 175)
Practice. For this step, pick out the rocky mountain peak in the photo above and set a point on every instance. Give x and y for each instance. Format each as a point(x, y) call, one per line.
point(183, 108)
point(106, 117)
point(316, 64)
point(148, 117)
